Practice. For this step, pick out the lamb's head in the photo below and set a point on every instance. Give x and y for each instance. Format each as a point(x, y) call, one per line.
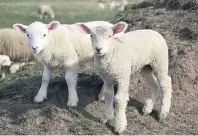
point(102, 36)
point(37, 34)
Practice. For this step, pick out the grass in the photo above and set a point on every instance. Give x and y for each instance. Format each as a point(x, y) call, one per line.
point(66, 11)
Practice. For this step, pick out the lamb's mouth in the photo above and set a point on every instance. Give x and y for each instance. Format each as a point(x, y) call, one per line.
point(36, 51)
point(99, 54)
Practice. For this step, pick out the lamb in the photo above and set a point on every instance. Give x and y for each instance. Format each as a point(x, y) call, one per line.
point(4, 61)
point(15, 67)
point(45, 11)
point(14, 44)
point(56, 46)
point(116, 58)
point(101, 4)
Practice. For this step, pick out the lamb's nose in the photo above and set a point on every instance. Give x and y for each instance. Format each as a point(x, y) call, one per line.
point(98, 49)
point(34, 48)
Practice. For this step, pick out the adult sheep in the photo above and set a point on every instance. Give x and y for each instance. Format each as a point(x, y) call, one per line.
point(119, 57)
point(14, 44)
point(45, 11)
point(57, 46)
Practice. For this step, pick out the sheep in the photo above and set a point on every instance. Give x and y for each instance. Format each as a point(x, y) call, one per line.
point(75, 27)
point(123, 3)
point(55, 46)
point(15, 67)
point(4, 61)
point(45, 11)
point(101, 4)
point(114, 5)
point(118, 5)
point(116, 58)
point(14, 44)
point(19, 65)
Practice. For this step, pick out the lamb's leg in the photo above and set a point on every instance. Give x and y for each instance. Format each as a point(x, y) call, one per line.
point(109, 95)
point(71, 77)
point(165, 84)
point(3, 75)
point(121, 99)
point(42, 94)
point(152, 90)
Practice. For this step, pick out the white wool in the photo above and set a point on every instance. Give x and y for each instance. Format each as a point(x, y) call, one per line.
point(45, 11)
point(118, 5)
point(116, 58)
point(16, 67)
point(63, 46)
point(4, 60)
point(75, 27)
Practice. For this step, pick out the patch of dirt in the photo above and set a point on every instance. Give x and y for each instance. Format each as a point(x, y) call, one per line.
point(20, 115)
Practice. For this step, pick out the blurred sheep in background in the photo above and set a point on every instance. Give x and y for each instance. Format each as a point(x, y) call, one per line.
point(45, 11)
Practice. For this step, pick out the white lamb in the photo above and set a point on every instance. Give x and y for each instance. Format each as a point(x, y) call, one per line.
point(116, 58)
point(4, 61)
point(57, 46)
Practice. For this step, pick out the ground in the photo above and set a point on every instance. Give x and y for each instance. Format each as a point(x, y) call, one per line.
point(20, 115)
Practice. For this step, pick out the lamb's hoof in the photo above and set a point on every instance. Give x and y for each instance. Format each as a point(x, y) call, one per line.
point(119, 129)
point(101, 98)
point(110, 119)
point(103, 121)
point(163, 116)
point(39, 98)
point(72, 103)
point(146, 110)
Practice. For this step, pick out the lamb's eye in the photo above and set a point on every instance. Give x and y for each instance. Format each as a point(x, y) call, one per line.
point(91, 36)
point(109, 36)
point(28, 35)
point(44, 35)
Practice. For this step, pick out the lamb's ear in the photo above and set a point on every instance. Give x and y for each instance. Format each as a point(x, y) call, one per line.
point(119, 27)
point(20, 27)
point(84, 28)
point(125, 26)
point(53, 25)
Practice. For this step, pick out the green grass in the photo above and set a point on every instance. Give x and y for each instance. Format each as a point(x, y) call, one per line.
point(66, 11)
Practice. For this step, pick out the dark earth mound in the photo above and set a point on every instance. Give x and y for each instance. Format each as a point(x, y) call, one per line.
point(20, 115)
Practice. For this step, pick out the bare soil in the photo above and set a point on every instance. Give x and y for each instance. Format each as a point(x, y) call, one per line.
point(20, 115)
